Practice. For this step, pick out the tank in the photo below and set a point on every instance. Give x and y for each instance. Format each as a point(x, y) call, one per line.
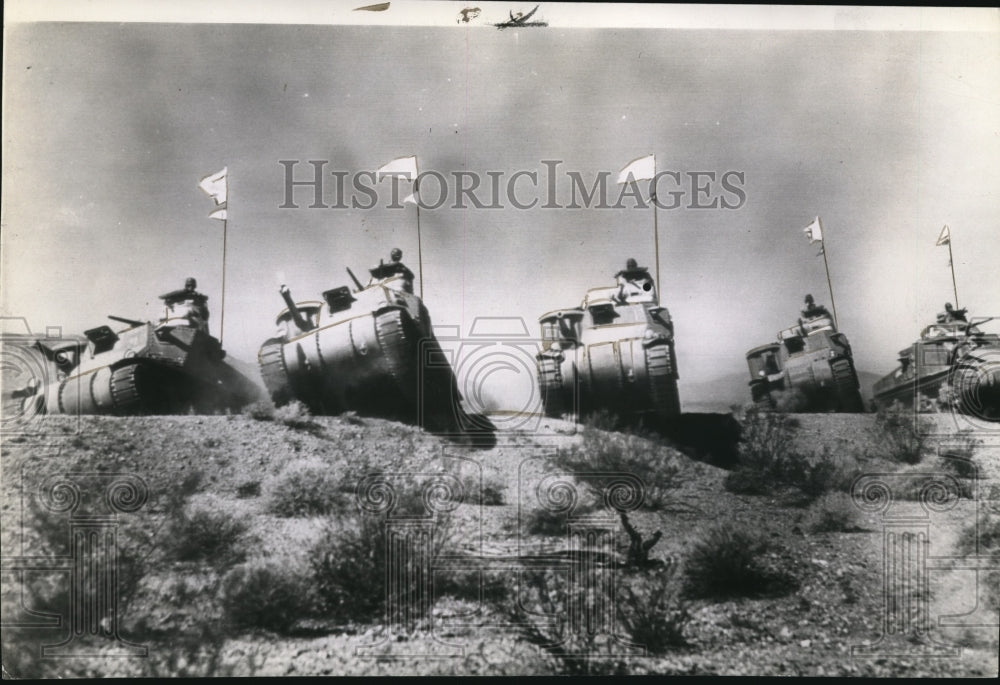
point(137, 367)
point(371, 350)
point(953, 366)
point(614, 352)
point(809, 368)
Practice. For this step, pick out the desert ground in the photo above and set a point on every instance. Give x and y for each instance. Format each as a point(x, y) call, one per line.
point(271, 542)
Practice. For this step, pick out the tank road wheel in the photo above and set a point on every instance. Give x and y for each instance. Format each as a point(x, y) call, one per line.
point(846, 382)
point(550, 383)
point(272, 369)
point(662, 384)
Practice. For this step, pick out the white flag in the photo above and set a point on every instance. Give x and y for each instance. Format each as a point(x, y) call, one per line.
point(814, 232)
point(403, 166)
point(215, 186)
point(219, 214)
point(412, 199)
point(638, 169)
point(944, 238)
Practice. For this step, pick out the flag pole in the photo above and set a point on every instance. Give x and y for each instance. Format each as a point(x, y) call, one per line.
point(222, 314)
point(951, 263)
point(829, 284)
point(656, 245)
point(420, 253)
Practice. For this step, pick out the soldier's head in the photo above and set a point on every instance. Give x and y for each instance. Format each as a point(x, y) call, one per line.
point(809, 299)
point(947, 306)
point(190, 284)
point(396, 254)
point(631, 264)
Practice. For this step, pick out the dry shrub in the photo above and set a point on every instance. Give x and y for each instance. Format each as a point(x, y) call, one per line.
point(834, 513)
point(205, 531)
point(901, 436)
point(983, 539)
point(652, 609)
point(265, 593)
point(653, 463)
point(729, 562)
point(349, 564)
point(308, 487)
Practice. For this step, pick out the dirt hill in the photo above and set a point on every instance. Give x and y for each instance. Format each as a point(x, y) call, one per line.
point(259, 543)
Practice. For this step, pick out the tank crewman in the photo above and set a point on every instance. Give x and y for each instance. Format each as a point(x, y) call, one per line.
point(634, 281)
point(188, 303)
point(813, 310)
point(951, 314)
point(393, 268)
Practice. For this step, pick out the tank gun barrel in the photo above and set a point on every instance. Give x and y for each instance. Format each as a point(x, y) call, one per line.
point(297, 317)
point(130, 322)
point(355, 279)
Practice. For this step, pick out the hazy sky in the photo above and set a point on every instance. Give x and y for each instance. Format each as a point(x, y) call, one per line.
point(887, 136)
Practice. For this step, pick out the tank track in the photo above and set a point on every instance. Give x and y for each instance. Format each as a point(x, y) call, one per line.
point(272, 369)
point(662, 386)
point(429, 397)
point(124, 388)
point(846, 382)
point(391, 335)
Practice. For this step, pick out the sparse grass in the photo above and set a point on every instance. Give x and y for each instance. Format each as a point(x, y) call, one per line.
point(265, 593)
point(206, 531)
point(835, 512)
point(729, 562)
point(307, 487)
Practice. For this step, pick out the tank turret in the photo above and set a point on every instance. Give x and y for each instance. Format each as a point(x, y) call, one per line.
point(809, 369)
point(613, 352)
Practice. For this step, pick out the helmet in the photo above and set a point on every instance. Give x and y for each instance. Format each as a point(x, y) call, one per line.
point(396, 254)
point(190, 283)
point(809, 299)
point(631, 264)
